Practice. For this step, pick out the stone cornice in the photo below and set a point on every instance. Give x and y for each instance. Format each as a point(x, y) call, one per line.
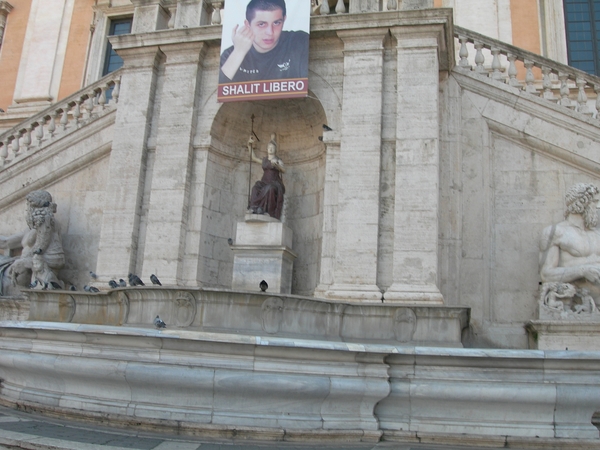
point(5, 8)
point(438, 20)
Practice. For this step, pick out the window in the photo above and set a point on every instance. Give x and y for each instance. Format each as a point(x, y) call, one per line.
point(582, 22)
point(112, 61)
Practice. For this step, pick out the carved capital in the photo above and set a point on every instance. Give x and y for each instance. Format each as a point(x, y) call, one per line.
point(5, 9)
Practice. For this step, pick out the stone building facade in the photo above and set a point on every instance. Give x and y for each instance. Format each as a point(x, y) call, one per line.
point(417, 211)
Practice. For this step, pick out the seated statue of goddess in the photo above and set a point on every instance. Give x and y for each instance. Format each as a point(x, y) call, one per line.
point(267, 193)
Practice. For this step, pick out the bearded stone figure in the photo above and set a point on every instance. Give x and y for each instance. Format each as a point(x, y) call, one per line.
point(570, 253)
point(42, 255)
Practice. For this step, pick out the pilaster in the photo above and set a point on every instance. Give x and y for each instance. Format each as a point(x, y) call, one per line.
point(355, 266)
point(5, 9)
point(169, 196)
point(416, 212)
point(149, 15)
point(124, 191)
point(43, 54)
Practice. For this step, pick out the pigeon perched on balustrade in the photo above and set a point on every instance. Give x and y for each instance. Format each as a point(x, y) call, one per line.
point(263, 286)
point(134, 280)
point(87, 288)
point(158, 323)
point(122, 282)
point(93, 275)
point(155, 280)
point(113, 284)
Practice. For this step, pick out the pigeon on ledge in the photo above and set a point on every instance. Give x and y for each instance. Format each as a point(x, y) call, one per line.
point(134, 280)
point(158, 323)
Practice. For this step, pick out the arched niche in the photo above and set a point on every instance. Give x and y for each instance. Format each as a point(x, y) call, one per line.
point(298, 125)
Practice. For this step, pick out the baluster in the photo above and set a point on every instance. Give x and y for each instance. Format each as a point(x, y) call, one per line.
point(315, 8)
point(392, 5)
point(479, 58)
point(52, 124)
point(89, 107)
point(582, 98)
point(77, 112)
point(564, 91)
point(496, 66)
point(597, 91)
point(512, 71)
point(340, 8)
point(3, 152)
point(102, 97)
point(64, 118)
point(464, 54)
point(529, 78)
point(325, 7)
point(216, 14)
point(15, 145)
point(117, 90)
point(171, 22)
point(547, 84)
point(39, 132)
point(27, 138)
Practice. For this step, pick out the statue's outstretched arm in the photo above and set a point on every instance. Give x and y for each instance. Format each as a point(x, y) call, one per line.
point(251, 151)
point(13, 241)
point(550, 271)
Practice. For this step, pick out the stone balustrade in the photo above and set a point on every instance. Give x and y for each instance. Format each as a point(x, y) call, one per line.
point(60, 119)
point(560, 84)
point(323, 8)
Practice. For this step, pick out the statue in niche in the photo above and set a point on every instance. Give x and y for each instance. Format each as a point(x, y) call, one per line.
point(570, 257)
point(266, 196)
point(42, 255)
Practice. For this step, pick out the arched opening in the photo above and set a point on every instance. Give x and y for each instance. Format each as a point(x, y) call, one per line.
point(297, 124)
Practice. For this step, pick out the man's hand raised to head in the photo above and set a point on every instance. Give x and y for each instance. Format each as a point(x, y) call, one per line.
point(243, 39)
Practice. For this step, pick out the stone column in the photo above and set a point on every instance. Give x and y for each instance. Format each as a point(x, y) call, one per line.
point(149, 15)
point(355, 268)
point(117, 251)
point(415, 271)
point(169, 196)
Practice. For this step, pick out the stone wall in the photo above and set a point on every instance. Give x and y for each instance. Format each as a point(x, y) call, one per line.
point(508, 160)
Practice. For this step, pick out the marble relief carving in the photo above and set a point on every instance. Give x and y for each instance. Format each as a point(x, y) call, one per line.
point(570, 258)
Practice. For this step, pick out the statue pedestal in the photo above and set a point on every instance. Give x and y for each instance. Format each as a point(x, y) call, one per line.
point(262, 251)
point(581, 335)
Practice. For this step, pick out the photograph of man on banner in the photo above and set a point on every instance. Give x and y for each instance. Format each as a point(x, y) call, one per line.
point(264, 50)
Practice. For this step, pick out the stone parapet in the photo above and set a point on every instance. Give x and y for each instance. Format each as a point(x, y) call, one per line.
point(277, 388)
point(213, 310)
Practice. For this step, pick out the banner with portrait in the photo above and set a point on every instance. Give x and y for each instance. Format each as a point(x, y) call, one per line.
point(264, 50)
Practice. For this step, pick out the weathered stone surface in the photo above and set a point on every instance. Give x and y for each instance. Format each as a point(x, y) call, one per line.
point(261, 386)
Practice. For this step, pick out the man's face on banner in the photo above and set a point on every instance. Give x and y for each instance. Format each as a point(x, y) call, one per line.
point(266, 28)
